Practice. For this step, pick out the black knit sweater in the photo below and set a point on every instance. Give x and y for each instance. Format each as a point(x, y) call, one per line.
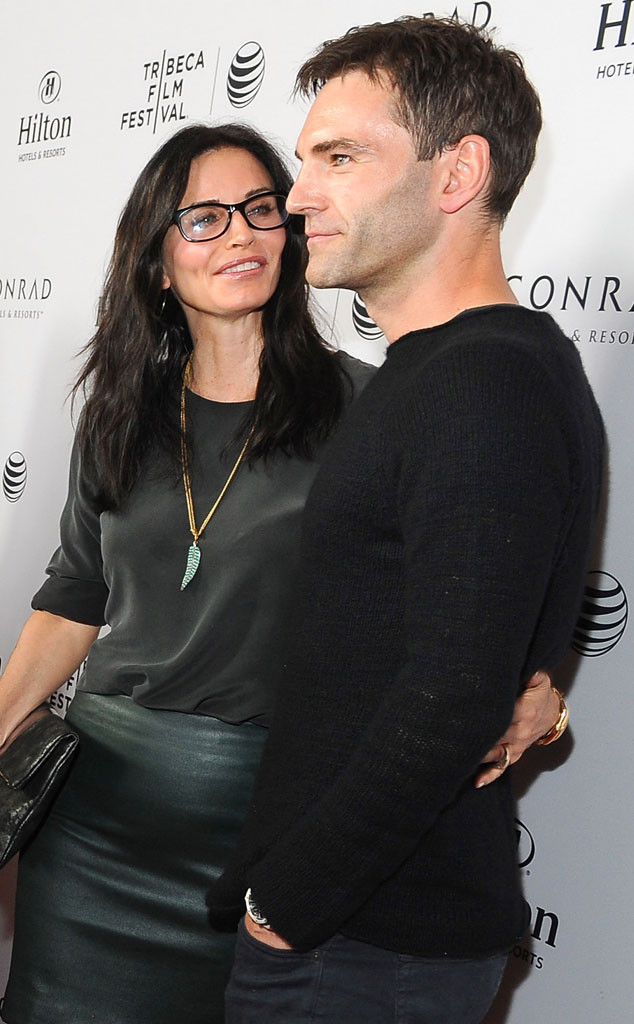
point(444, 551)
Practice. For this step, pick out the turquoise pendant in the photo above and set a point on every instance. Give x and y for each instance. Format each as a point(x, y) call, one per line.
point(193, 561)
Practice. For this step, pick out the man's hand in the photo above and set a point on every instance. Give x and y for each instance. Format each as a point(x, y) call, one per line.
point(536, 710)
point(265, 935)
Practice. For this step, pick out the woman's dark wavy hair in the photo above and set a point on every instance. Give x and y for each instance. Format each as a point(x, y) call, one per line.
point(132, 373)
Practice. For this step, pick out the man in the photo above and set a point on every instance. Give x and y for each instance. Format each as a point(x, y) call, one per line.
point(444, 553)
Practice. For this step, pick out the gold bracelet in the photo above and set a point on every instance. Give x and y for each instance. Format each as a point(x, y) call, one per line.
point(559, 728)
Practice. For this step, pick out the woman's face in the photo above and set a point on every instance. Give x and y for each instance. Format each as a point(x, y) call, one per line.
point(236, 274)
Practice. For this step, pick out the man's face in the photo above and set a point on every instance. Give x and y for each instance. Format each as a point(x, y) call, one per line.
point(368, 201)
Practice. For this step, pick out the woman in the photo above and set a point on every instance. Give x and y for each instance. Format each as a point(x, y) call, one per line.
point(209, 396)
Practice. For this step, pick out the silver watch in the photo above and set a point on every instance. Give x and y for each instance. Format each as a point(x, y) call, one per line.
point(253, 912)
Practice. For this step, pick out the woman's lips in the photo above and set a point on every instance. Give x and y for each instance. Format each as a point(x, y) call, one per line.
point(244, 266)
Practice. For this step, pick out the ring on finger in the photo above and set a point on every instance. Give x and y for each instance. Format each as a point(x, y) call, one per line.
point(505, 760)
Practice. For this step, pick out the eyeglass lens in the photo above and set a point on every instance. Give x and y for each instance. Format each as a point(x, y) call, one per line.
point(209, 221)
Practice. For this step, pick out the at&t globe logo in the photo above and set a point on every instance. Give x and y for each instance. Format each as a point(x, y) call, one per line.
point(14, 476)
point(245, 74)
point(364, 325)
point(603, 616)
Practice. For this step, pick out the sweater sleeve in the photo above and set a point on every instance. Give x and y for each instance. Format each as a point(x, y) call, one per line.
point(75, 588)
point(482, 521)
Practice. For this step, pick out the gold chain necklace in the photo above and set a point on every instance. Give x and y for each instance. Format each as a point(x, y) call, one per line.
point(193, 554)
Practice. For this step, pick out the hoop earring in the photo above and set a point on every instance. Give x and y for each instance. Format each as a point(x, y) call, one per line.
point(162, 348)
point(161, 353)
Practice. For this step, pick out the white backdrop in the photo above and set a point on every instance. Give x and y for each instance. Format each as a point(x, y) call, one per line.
point(89, 93)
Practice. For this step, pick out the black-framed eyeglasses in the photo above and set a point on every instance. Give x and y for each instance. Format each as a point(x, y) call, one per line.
point(204, 221)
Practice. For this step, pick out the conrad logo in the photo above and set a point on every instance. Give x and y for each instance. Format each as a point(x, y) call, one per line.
point(480, 15)
point(14, 476)
point(363, 322)
point(603, 616)
point(600, 294)
point(246, 74)
point(50, 87)
point(26, 295)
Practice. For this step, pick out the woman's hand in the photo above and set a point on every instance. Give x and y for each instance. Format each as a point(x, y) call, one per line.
point(536, 710)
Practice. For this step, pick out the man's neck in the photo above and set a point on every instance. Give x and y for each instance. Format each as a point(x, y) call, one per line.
point(452, 279)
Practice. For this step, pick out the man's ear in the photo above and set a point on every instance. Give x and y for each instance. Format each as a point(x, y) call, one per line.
point(466, 168)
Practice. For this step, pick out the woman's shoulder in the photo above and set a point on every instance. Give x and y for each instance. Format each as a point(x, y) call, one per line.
point(359, 373)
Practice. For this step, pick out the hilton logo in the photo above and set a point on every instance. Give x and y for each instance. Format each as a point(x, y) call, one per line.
point(616, 30)
point(41, 126)
point(246, 74)
point(50, 87)
point(525, 844)
point(363, 322)
point(614, 21)
point(544, 923)
point(603, 616)
point(14, 476)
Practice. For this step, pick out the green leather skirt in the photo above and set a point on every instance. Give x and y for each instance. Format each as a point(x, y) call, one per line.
point(111, 925)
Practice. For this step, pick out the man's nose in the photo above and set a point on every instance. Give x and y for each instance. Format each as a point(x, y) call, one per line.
point(303, 195)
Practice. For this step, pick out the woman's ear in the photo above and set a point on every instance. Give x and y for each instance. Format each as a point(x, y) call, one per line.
point(467, 167)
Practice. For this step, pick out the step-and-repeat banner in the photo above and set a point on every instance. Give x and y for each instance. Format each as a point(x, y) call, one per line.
point(90, 91)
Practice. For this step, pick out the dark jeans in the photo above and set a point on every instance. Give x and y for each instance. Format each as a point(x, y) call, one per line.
point(350, 982)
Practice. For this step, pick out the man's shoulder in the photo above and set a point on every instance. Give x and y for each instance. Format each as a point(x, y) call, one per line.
point(500, 358)
point(528, 343)
point(508, 325)
point(497, 340)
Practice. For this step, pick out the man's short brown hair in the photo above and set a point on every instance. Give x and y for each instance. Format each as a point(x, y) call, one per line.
point(450, 81)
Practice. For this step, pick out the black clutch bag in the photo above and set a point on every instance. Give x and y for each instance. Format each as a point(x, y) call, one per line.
point(33, 764)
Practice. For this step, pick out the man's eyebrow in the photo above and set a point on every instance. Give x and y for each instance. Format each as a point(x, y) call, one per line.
point(331, 145)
